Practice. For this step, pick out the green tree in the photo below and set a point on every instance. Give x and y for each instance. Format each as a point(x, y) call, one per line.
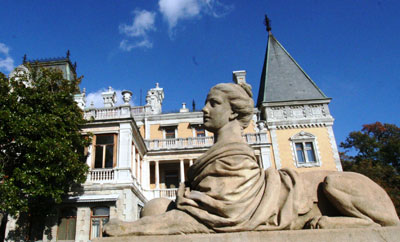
point(376, 150)
point(41, 147)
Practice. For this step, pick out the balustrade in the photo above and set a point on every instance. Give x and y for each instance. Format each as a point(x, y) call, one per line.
point(179, 143)
point(199, 142)
point(169, 193)
point(115, 112)
point(256, 138)
point(99, 175)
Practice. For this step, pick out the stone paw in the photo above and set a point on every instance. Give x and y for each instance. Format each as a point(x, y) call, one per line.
point(313, 223)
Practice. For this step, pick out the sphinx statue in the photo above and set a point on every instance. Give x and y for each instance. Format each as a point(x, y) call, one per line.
point(227, 190)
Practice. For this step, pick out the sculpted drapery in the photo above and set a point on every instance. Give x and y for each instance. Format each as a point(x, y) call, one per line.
point(227, 190)
point(230, 192)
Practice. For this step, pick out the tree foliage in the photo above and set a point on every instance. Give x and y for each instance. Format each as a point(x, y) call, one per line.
point(376, 151)
point(41, 148)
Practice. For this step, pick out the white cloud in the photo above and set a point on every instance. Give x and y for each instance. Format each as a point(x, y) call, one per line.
point(129, 45)
point(6, 62)
point(175, 10)
point(143, 22)
point(97, 99)
point(4, 49)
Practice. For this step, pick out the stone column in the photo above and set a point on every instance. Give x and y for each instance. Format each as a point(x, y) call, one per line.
point(137, 166)
point(124, 150)
point(190, 162)
point(134, 161)
point(139, 178)
point(157, 169)
point(182, 169)
point(82, 224)
point(265, 157)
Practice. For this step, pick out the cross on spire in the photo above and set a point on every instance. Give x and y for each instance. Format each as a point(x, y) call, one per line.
point(267, 23)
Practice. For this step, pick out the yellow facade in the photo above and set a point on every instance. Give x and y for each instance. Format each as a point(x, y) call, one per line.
point(325, 152)
point(156, 132)
point(250, 128)
point(185, 130)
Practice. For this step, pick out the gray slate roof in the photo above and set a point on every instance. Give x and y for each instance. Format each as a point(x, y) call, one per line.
point(282, 79)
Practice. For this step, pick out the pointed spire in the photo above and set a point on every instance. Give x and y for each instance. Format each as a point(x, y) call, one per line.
point(282, 79)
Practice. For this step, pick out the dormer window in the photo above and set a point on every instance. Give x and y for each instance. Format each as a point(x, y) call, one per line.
point(305, 150)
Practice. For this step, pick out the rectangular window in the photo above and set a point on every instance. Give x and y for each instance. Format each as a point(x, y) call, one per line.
point(300, 153)
point(200, 132)
point(310, 152)
point(305, 152)
point(170, 133)
point(99, 218)
point(105, 150)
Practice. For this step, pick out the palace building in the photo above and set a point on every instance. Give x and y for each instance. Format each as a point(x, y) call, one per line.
point(140, 152)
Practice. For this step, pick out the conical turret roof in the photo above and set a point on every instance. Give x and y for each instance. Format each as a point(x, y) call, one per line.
point(282, 79)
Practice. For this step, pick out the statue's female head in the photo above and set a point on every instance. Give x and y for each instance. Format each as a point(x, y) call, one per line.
point(234, 102)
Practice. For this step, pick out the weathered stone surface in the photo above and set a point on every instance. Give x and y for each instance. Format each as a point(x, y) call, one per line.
point(384, 234)
point(227, 190)
point(157, 206)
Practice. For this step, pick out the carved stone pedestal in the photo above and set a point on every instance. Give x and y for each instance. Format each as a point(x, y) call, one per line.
point(387, 234)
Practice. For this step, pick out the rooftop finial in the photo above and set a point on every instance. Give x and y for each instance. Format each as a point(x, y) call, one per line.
point(267, 23)
point(24, 59)
point(68, 53)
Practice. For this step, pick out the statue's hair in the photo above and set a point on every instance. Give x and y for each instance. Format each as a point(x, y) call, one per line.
point(240, 99)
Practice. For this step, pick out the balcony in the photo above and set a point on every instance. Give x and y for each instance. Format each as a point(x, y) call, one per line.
point(199, 142)
point(179, 143)
point(256, 138)
point(115, 112)
point(101, 175)
point(169, 193)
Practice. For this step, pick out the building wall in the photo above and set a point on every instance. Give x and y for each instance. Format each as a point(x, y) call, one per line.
point(250, 129)
point(324, 149)
point(156, 132)
point(184, 130)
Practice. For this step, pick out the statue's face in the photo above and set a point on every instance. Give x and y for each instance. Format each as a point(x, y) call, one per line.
point(217, 110)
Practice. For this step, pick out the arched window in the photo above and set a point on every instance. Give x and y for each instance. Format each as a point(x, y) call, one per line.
point(98, 218)
point(67, 224)
point(305, 150)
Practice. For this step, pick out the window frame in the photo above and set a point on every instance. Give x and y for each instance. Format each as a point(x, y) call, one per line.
point(303, 138)
point(115, 140)
point(170, 127)
point(200, 130)
point(101, 221)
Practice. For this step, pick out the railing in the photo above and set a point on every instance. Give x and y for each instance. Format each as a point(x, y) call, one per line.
point(199, 142)
point(100, 175)
point(256, 138)
point(115, 112)
point(103, 113)
point(179, 143)
point(140, 110)
point(169, 193)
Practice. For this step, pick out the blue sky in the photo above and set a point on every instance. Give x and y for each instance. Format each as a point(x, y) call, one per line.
point(350, 48)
